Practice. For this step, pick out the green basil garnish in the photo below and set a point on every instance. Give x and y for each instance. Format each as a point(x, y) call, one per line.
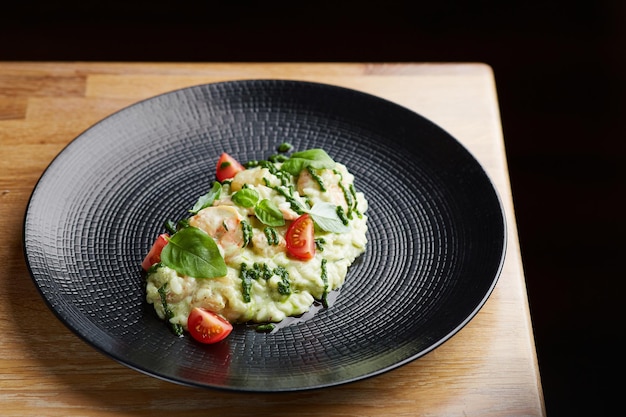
point(284, 147)
point(176, 328)
point(265, 328)
point(326, 217)
point(194, 253)
point(246, 197)
point(207, 199)
point(314, 158)
point(246, 230)
point(271, 235)
point(324, 277)
point(268, 213)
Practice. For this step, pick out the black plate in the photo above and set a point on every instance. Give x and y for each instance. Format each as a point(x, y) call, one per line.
point(436, 232)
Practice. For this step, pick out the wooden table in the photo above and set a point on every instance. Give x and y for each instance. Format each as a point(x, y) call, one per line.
point(487, 369)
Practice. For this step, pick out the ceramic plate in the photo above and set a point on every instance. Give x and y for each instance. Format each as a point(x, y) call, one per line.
point(436, 237)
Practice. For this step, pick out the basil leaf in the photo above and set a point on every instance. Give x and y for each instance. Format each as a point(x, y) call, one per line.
point(246, 197)
point(326, 217)
point(317, 155)
point(293, 165)
point(207, 199)
point(194, 253)
point(315, 158)
point(268, 213)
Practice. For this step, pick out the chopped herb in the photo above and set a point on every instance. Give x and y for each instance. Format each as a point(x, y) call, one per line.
point(319, 244)
point(316, 178)
point(277, 158)
point(182, 224)
point(170, 226)
point(176, 328)
point(271, 235)
point(265, 328)
point(269, 166)
point(265, 271)
point(284, 287)
point(246, 229)
point(293, 203)
point(153, 268)
point(257, 271)
point(284, 147)
point(325, 281)
point(355, 206)
point(283, 176)
point(348, 197)
point(342, 215)
point(246, 275)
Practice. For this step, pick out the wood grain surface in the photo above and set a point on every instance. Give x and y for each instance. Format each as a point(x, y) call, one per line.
point(488, 369)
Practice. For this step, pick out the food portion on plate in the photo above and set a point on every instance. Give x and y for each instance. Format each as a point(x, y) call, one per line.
point(269, 240)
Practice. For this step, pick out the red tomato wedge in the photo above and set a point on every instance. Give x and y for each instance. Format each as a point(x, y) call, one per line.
point(227, 167)
point(300, 238)
point(206, 326)
point(154, 255)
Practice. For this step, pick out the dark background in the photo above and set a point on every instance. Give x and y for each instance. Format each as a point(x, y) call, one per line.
point(560, 69)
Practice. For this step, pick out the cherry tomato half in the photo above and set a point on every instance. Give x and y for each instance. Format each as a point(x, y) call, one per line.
point(227, 167)
point(300, 238)
point(206, 326)
point(154, 255)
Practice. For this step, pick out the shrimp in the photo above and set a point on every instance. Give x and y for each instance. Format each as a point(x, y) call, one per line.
point(309, 186)
point(223, 223)
point(288, 213)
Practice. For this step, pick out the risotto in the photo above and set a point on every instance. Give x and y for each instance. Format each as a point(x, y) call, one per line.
point(268, 240)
